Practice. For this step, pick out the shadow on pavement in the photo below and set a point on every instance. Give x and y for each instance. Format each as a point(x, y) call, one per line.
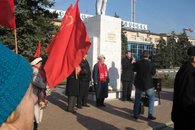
point(94, 124)
point(127, 128)
point(58, 100)
point(121, 112)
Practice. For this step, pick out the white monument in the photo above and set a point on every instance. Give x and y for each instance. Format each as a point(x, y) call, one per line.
point(101, 7)
point(105, 34)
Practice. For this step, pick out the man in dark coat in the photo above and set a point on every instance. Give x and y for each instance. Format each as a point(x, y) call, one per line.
point(127, 76)
point(84, 79)
point(143, 83)
point(72, 90)
point(183, 110)
point(101, 79)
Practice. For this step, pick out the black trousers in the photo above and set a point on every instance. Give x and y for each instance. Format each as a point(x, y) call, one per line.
point(83, 92)
point(127, 88)
point(71, 102)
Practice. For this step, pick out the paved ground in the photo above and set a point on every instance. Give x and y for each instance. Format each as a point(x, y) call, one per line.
point(168, 128)
point(117, 115)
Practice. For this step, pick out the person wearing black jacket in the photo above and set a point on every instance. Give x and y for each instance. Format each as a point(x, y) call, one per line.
point(84, 79)
point(72, 89)
point(183, 110)
point(127, 76)
point(144, 69)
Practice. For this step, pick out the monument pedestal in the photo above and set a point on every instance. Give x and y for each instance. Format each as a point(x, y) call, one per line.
point(105, 34)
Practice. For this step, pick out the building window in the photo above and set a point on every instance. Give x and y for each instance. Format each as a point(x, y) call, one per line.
point(138, 48)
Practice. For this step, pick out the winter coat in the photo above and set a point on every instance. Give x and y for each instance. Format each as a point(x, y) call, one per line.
point(184, 94)
point(127, 70)
point(85, 73)
point(72, 87)
point(100, 87)
point(144, 69)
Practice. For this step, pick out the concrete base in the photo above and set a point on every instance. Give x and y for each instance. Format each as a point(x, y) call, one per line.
point(116, 95)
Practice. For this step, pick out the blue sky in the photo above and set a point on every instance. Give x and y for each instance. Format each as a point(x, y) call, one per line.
point(161, 16)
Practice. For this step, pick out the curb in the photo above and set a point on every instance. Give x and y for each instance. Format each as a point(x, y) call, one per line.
point(158, 127)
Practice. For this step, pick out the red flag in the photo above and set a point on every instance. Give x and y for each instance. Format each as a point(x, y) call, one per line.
point(7, 14)
point(65, 20)
point(70, 45)
point(38, 51)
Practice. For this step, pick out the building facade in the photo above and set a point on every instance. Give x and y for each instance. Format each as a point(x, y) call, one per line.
point(138, 41)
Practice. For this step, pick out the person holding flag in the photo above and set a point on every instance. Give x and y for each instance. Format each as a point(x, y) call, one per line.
point(76, 43)
point(72, 89)
point(84, 79)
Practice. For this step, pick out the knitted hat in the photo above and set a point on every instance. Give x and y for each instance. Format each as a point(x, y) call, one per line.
point(15, 78)
point(191, 51)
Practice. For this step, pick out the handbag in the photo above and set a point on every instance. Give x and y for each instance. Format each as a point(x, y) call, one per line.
point(91, 87)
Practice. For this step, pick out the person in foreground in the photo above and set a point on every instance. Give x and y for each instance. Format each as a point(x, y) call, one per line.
point(143, 83)
point(183, 110)
point(16, 96)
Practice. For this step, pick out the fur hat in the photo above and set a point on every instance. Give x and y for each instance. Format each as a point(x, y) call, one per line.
point(191, 51)
point(15, 78)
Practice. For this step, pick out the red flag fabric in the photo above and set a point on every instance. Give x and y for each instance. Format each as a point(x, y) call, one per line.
point(65, 20)
point(70, 45)
point(7, 14)
point(38, 51)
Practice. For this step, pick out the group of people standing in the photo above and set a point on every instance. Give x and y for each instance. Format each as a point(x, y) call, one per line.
point(78, 84)
point(144, 69)
point(19, 95)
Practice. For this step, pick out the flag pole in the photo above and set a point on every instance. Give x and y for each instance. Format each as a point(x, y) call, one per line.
point(15, 40)
point(76, 73)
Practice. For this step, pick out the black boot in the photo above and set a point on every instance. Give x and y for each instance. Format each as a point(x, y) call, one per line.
point(102, 103)
point(35, 126)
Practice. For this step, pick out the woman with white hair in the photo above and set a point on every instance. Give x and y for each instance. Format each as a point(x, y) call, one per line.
point(101, 79)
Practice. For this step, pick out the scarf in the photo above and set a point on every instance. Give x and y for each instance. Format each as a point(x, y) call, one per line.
point(103, 71)
point(43, 76)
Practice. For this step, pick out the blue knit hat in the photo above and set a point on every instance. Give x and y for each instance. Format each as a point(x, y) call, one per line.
point(15, 78)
